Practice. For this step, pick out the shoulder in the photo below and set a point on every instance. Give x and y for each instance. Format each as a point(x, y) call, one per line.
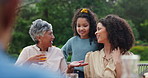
point(29, 47)
point(74, 37)
point(56, 48)
point(92, 53)
point(57, 51)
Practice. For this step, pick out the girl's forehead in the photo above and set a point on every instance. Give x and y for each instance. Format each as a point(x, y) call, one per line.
point(82, 20)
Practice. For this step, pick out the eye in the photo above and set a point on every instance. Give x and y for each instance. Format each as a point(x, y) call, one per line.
point(78, 25)
point(98, 28)
point(85, 25)
point(50, 33)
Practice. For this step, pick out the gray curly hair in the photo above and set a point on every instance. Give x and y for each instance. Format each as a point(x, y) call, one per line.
point(38, 28)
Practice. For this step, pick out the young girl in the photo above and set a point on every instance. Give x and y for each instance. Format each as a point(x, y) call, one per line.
point(84, 27)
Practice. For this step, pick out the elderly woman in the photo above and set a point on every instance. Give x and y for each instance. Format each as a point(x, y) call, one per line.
point(117, 37)
point(43, 55)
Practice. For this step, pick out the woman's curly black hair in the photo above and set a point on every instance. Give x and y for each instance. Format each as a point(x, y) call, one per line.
point(119, 32)
point(91, 18)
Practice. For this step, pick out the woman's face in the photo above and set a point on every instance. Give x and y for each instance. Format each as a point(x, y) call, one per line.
point(82, 28)
point(101, 33)
point(47, 39)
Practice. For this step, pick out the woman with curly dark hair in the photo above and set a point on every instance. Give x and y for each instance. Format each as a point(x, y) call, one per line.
point(84, 24)
point(117, 36)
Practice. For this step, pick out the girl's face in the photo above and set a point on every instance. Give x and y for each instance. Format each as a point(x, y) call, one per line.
point(82, 28)
point(47, 39)
point(101, 33)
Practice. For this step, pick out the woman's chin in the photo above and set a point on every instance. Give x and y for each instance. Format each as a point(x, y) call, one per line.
point(49, 45)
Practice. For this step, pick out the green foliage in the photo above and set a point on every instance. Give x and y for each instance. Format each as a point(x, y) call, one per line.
point(142, 51)
point(142, 43)
point(135, 10)
point(135, 31)
point(21, 36)
point(59, 15)
point(60, 12)
point(144, 30)
point(69, 58)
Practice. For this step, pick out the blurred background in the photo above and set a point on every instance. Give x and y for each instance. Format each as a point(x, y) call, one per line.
point(60, 12)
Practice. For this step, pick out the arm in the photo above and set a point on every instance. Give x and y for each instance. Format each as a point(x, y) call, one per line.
point(22, 57)
point(117, 60)
point(63, 66)
point(25, 60)
point(35, 59)
point(87, 68)
point(118, 69)
point(73, 64)
point(66, 49)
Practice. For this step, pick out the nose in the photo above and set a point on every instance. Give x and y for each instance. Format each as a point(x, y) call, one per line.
point(96, 32)
point(53, 37)
point(81, 28)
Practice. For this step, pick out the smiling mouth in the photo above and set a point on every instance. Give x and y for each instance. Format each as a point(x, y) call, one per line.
point(51, 42)
point(81, 32)
point(97, 36)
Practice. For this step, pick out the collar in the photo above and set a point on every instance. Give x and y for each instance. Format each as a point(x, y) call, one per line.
point(103, 55)
point(38, 49)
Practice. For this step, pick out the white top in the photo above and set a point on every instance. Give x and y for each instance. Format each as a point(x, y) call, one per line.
point(55, 59)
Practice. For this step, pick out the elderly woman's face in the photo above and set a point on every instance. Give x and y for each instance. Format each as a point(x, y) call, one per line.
point(101, 33)
point(47, 39)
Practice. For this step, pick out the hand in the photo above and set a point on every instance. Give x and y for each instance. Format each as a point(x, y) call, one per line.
point(116, 54)
point(37, 58)
point(77, 64)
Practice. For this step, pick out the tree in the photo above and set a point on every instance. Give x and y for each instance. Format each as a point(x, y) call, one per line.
point(135, 10)
point(144, 30)
point(21, 36)
point(60, 12)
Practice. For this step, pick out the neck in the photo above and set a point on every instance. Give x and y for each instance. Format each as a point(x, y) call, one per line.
point(84, 37)
point(107, 48)
point(42, 48)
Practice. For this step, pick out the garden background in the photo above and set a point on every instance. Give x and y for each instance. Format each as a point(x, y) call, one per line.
point(60, 12)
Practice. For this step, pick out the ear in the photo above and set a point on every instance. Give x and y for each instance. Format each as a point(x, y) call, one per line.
point(38, 38)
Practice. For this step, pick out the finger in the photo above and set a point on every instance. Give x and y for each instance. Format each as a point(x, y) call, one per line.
point(118, 48)
point(76, 65)
point(42, 58)
point(81, 61)
point(83, 64)
point(39, 63)
point(114, 50)
point(39, 60)
point(40, 55)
